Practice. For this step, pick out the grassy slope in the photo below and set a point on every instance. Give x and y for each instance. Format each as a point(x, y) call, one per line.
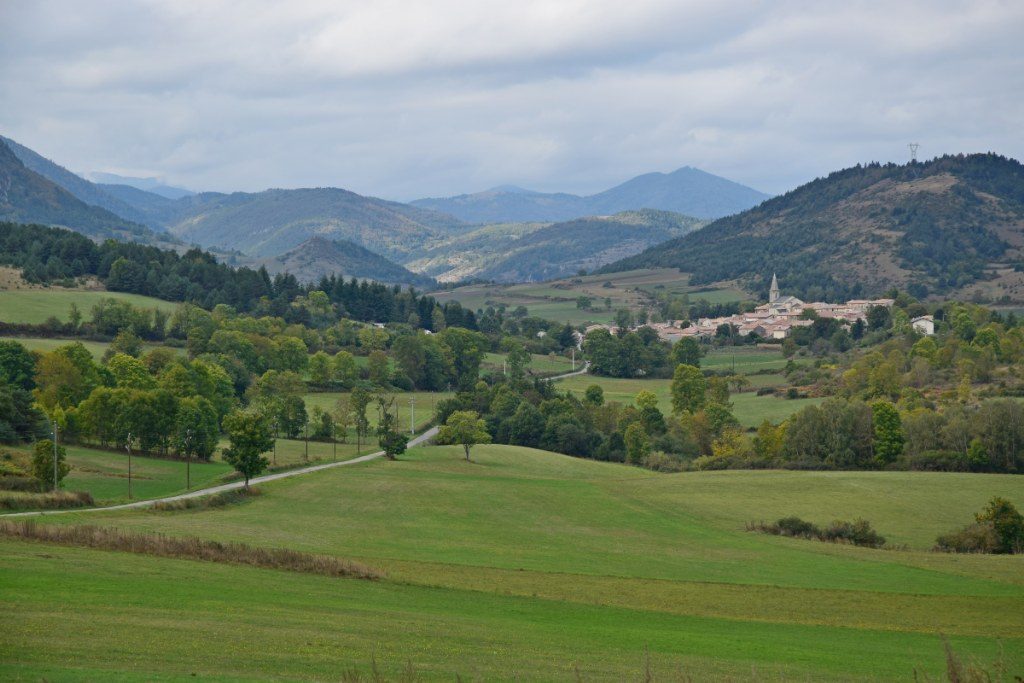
point(557, 300)
point(96, 348)
point(527, 562)
point(36, 305)
point(749, 408)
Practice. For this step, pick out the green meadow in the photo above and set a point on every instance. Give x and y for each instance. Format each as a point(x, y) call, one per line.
point(37, 305)
point(96, 348)
point(749, 408)
point(533, 566)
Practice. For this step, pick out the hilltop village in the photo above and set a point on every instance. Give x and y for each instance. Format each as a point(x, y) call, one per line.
point(777, 318)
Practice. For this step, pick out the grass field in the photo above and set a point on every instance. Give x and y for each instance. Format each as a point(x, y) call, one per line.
point(539, 364)
point(556, 300)
point(425, 401)
point(749, 408)
point(97, 349)
point(37, 305)
point(534, 566)
point(104, 474)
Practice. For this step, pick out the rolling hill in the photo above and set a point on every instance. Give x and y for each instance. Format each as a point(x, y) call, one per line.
point(688, 191)
point(28, 197)
point(318, 256)
point(951, 225)
point(273, 222)
point(528, 252)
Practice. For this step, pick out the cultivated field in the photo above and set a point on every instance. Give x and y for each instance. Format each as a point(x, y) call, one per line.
point(37, 305)
point(556, 300)
point(530, 565)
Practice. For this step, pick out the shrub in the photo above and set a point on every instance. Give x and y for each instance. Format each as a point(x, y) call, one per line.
point(937, 461)
point(858, 532)
point(999, 529)
point(104, 538)
point(206, 502)
point(50, 500)
point(975, 538)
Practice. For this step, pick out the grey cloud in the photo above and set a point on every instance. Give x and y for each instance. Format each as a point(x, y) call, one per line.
point(403, 99)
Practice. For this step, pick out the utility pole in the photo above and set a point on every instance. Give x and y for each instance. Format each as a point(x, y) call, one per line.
point(128, 446)
point(305, 434)
point(412, 415)
point(188, 459)
point(574, 359)
point(54, 454)
point(334, 438)
point(275, 441)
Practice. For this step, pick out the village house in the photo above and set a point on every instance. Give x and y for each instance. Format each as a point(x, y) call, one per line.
point(924, 324)
point(775, 319)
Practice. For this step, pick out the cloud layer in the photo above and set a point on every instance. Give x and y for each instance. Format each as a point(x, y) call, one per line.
point(408, 99)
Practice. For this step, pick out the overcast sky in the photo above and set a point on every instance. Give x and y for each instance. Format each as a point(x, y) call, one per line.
point(404, 99)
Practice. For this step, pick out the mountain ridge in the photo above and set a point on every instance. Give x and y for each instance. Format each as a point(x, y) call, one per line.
point(688, 191)
point(934, 227)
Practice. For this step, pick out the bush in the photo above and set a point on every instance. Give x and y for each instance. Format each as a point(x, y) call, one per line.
point(51, 500)
point(104, 538)
point(999, 529)
point(976, 538)
point(206, 502)
point(858, 532)
point(937, 461)
point(19, 483)
point(663, 462)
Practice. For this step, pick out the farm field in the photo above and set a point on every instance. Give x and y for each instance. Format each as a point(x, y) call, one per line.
point(539, 364)
point(532, 565)
point(749, 408)
point(37, 305)
point(556, 300)
point(96, 348)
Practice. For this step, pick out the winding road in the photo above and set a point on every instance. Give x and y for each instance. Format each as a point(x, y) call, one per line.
point(220, 488)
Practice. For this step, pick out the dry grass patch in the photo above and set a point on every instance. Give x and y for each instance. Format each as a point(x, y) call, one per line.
point(104, 538)
point(50, 500)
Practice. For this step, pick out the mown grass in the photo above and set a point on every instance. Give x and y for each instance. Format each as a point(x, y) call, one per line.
point(525, 563)
point(104, 474)
point(37, 305)
point(539, 364)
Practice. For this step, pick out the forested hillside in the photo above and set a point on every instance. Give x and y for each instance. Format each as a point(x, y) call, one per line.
point(530, 252)
point(935, 227)
point(318, 255)
point(47, 254)
point(27, 197)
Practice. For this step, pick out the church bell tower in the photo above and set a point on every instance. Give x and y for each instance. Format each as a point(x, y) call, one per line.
point(773, 293)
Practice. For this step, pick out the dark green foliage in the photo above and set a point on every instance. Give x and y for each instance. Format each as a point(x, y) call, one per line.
point(627, 355)
point(250, 436)
point(43, 468)
point(46, 254)
point(999, 529)
point(858, 532)
point(28, 197)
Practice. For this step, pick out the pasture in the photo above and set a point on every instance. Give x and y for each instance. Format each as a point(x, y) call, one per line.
point(556, 300)
point(749, 408)
point(36, 306)
point(409, 405)
point(531, 565)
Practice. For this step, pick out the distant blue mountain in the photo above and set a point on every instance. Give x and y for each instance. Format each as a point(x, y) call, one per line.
point(688, 191)
point(154, 185)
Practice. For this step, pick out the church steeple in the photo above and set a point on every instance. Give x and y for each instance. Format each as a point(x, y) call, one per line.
point(773, 293)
